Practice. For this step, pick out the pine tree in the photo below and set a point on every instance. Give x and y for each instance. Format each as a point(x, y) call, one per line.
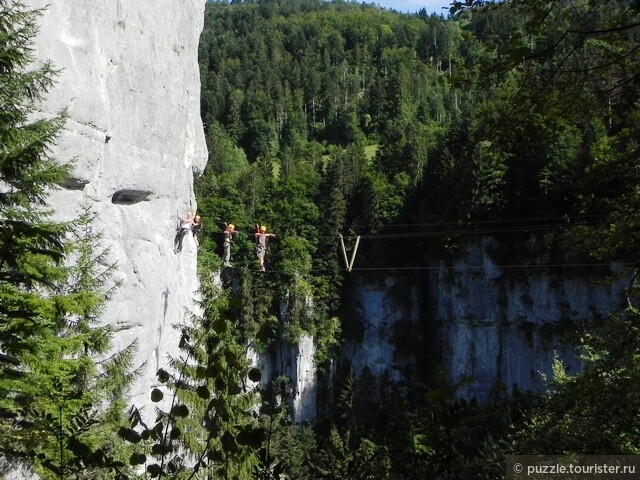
point(210, 429)
point(52, 391)
point(30, 245)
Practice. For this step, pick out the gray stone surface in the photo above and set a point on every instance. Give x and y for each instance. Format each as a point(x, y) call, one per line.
point(297, 364)
point(488, 326)
point(130, 82)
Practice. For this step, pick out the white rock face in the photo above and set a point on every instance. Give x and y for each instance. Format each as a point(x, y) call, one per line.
point(297, 364)
point(380, 314)
point(503, 327)
point(130, 82)
point(496, 327)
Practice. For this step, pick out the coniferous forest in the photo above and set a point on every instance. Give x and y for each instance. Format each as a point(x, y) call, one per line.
point(416, 132)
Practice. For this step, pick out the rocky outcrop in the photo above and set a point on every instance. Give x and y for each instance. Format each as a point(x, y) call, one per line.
point(129, 80)
point(490, 327)
point(291, 367)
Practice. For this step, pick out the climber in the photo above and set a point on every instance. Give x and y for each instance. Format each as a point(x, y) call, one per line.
point(229, 232)
point(184, 226)
point(261, 244)
point(196, 229)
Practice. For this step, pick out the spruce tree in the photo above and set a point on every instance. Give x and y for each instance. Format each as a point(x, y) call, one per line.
point(209, 428)
point(53, 394)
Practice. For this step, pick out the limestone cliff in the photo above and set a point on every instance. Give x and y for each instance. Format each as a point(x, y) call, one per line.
point(130, 82)
point(488, 326)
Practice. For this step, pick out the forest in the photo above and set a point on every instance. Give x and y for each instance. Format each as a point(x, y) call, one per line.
point(415, 132)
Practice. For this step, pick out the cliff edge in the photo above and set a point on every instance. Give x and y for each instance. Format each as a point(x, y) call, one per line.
point(129, 80)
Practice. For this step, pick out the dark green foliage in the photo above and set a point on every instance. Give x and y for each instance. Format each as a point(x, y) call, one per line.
point(563, 122)
point(206, 425)
point(24, 166)
point(575, 76)
point(289, 448)
point(322, 72)
point(517, 120)
point(606, 390)
point(381, 430)
point(70, 429)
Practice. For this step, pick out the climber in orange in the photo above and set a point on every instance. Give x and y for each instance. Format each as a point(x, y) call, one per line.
point(229, 231)
point(261, 243)
point(196, 229)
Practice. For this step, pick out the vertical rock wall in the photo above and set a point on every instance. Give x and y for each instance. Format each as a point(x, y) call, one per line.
point(382, 318)
point(502, 327)
point(129, 80)
point(489, 327)
point(296, 363)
